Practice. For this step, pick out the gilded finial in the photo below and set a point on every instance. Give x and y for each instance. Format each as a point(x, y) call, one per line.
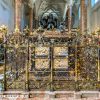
point(17, 30)
point(3, 29)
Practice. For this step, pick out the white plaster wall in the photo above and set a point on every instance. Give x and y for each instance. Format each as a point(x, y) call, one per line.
point(7, 14)
point(95, 16)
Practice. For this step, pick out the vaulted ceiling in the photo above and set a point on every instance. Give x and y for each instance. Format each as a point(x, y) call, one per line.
point(57, 6)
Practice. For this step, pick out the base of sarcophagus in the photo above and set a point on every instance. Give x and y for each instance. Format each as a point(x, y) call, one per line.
point(47, 95)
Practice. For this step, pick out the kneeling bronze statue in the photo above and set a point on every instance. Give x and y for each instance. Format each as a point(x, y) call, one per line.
point(62, 27)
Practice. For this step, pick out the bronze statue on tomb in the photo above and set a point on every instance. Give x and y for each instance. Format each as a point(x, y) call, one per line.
point(62, 27)
point(48, 22)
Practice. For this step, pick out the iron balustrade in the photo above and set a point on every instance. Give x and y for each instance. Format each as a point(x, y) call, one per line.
point(51, 63)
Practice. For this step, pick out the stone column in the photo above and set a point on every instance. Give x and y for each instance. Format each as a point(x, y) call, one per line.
point(31, 20)
point(89, 16)
point(83, 23)
point(69, 18)
point(18, 4)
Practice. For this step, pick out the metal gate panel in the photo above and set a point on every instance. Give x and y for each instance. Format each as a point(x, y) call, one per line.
point(16, 62)
point(50, 64)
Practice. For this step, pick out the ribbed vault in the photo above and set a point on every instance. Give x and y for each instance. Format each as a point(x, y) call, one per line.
point(57, 6)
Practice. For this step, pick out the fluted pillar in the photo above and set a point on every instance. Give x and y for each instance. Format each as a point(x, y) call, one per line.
point(69, 18)
point(18, 4)
point(83, 24)
point(31, 19)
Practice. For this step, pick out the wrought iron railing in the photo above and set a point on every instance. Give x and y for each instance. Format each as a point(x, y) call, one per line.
point(61, 62)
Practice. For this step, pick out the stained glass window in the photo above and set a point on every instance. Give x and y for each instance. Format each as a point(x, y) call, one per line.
point(96, 1)
point(93, 2)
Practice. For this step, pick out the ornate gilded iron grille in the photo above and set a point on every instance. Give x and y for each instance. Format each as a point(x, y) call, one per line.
point(16, 55)
point(69, 63)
